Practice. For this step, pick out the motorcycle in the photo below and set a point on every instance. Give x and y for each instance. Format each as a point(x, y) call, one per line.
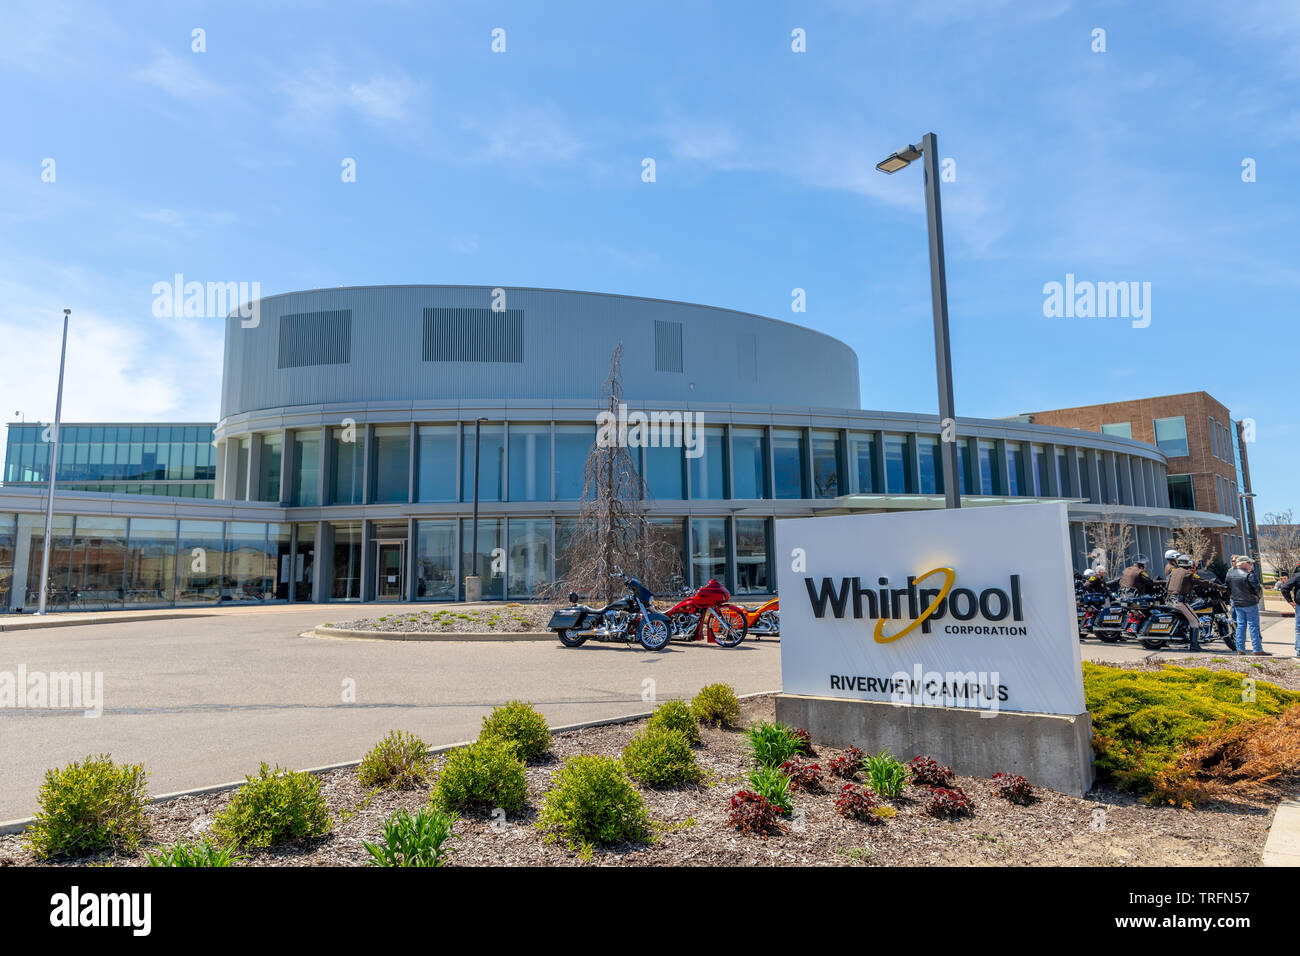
point(708, 611)
point(764, 620)
point(627, 619)
point(1168, 625)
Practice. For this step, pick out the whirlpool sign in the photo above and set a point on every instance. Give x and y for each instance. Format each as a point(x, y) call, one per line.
point(964, 608)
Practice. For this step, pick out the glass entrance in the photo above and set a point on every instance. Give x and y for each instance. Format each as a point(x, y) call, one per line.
point(390, 565)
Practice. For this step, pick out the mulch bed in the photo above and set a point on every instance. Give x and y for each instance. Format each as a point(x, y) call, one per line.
point(1106, 828)
point(503, 618)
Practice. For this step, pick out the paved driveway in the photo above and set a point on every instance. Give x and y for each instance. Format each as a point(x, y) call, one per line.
point(202, 701)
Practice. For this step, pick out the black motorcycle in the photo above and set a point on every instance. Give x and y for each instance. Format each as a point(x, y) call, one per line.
point(630, 618)
point(1168, 625)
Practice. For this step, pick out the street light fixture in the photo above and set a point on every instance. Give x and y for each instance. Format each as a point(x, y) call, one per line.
point(891, 164)
point(54, 465)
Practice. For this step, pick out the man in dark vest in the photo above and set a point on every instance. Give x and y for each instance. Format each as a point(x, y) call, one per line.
point(1182, 579)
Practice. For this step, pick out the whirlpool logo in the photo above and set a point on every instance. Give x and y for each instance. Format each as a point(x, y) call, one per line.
point(914, 606)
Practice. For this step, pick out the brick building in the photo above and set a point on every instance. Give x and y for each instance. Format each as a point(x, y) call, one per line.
point(1196, 434)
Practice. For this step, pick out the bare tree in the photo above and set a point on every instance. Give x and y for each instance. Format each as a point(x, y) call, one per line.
point(1109, 540)
point(1191, 539)
point(613, 528)
point(1279, 541)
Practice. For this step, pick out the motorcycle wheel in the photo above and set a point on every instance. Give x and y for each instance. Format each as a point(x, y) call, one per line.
point(729, 627)
point(571, 638)
point(1109, 638)
point(1153, 644)
point(1229, 634)
point(653, 635)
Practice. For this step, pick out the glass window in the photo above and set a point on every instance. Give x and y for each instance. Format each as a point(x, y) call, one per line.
point(826, 465)
point(268, 482)
point(1214, 438)
point(1015, 470)
point(1064, 480)
point(346, 580)
point(150, 561)
point(862, 454)
point(241, 467)
point(565, 529)
point(435, 560)
point(899, 479)
point(1120, 429)
point(707, 470)
point(1171, 436)
point(930, 477)
point(487, 559)
point(751, 556)
point(788, 463)
point(200, 562)
point(528, 558)
point(306, 472)
point(1042, 481)
point(530, 463)
point(1085, 482)
point(963, 466)
point(708, 549)
point(8, 539)
point(572, 448)
point(347, 455)
point(436, 463)
point(663, 474)
point(491, 463)
point(1181, 494)
point(98, 563)
point(671, 533)
point(304, 563)
point(392, 463)
point(749, 463)
point(250, 563)
point(988, 477)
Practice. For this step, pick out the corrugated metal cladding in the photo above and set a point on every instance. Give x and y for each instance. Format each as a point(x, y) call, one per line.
point(315, 338)
point(473, 335)
point(558, 352)
point(668, 346)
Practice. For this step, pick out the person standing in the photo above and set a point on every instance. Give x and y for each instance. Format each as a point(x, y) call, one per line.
point(1182, 579)
point(1288, 589)
point(1246, 591)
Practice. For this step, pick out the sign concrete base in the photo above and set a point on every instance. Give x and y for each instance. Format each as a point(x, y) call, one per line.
point(1048, 750)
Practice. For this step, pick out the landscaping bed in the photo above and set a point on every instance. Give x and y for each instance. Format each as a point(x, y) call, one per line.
point(690, 823)
point(498, 618)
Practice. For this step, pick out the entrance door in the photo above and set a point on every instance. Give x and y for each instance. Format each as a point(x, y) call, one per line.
point(390, 567)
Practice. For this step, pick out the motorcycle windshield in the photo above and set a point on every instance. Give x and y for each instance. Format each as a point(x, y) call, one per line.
point(641, 591)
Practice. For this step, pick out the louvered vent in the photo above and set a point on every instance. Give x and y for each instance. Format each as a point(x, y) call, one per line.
point(315, 338)
point(668, 346)
point(473, 335)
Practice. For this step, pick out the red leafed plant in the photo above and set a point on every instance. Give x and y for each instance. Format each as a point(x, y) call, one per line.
point(855, 803)
point(847, 765)
point(945, 802)
point(803, 774)
point(1013, 787)
point(928, 772)
point(805, 742)
point(753, 813)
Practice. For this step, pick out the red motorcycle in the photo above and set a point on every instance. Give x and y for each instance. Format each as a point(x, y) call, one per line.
point(708, 613)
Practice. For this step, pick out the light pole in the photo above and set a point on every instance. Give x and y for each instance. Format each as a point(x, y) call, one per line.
point(54, 464)
point(939, 302)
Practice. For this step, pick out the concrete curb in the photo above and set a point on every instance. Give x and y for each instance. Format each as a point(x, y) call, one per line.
point(37, 624)
point(1283, 845)
point(17, 826)
point(476, 636)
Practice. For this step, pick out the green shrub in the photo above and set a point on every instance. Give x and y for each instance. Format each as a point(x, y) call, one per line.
point(193, 854)
point(414, 840)
point(886, 773)
point(716, 704)
point(676, 715)
point(483, 775)
point(519, 724)
point(89, 806)
point(272, 807)
point(661, 758)
point(398, 761)
point(771, 744)
point(773, 783)
point(593, 801)
point(1145, 722)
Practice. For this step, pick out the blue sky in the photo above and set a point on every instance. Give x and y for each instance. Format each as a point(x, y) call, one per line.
point(524, 168)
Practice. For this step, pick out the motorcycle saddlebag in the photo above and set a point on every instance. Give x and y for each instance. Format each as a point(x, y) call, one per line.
point(564, 618)
point(712, 594)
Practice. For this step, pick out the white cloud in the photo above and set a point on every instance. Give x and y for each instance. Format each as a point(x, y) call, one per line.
point(180, 77)
point(322, 96)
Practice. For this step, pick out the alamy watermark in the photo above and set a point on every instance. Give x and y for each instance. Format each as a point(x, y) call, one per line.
point(651, 430)
point(57, 690)
point(212, 300)
point(1101, 300)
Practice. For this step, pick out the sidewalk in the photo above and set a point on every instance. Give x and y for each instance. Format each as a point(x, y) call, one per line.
point(28, 622)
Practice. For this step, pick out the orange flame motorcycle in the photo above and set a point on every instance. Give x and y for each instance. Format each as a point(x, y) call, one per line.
point(764, 620)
